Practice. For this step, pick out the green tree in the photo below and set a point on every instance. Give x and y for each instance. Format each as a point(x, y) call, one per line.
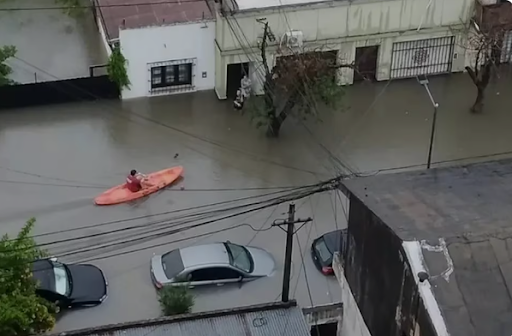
point(6, 52)
point(116, 68)
point(22, 312)
point(176, 300)
point(293, 86)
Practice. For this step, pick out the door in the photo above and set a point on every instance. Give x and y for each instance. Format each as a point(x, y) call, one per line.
point(214, 275)
point(366, 63)
point(235, 72)
point(422, 57)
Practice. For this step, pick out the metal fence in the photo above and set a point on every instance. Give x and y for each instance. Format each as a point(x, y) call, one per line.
point(422, 57)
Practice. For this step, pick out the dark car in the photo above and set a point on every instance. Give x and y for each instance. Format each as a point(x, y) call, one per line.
point(69, 286)
point(324, 247)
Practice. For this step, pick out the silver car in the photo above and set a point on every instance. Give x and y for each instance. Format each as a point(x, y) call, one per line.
point(216, 263)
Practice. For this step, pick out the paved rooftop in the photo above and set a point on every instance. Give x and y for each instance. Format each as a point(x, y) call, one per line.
point(130, 14)
point(462, 216)
point(274, 319)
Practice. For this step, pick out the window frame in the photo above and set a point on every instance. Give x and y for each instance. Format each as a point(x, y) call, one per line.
point(213, 269)
point(175, 81)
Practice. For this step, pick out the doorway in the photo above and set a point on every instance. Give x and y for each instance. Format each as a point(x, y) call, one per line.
point(366, 63)
point(235, 73)
point(327, 329)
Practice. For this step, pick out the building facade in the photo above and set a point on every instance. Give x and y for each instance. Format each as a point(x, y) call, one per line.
point(169, 47)
point(428, 252)
point(383, 39)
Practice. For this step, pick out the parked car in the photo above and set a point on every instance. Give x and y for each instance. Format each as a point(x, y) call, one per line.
point(208, 264)
point(69, 286)
point(324, 247)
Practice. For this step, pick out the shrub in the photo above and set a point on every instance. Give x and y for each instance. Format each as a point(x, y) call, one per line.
point(176, 300)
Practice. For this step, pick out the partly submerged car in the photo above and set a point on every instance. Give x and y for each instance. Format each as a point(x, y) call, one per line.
point(208, 264)
point(324, 247)
point(69, 286)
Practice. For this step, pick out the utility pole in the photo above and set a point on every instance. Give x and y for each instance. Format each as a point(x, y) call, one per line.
point(290, 223)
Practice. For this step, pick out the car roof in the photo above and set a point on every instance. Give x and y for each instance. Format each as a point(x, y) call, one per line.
point(207, 254)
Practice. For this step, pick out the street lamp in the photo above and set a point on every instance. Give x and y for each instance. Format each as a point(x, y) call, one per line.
point(423, 80)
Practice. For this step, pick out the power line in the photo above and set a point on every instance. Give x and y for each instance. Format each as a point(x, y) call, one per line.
point(154, 3)
point(174, 241)
point(179, 230)
point(290, 192)
point(166, 189)
point(255, 157)
point(167, 221)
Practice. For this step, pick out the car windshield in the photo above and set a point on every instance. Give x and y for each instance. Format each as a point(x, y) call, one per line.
point(323, 251)
point(172, 264)
point(239, 257)
point(62, 283)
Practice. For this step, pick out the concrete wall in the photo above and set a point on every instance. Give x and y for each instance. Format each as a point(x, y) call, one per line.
point(352, 323)
point(344, 19)
point(168, 43)
point(375, 272)
point(343, 26)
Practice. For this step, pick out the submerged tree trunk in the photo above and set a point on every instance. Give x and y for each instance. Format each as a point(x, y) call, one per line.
point(479, 101)
point(481, 81)
point(277, 120)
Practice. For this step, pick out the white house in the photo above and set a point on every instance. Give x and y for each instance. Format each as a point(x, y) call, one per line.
point(384, 39)
point(169, 46)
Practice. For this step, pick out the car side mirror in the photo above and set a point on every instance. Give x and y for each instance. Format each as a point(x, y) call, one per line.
point(54, 259)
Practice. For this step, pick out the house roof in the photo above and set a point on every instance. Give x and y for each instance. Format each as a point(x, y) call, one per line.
point(463, 218)
point(274, 319)
point(130, 14)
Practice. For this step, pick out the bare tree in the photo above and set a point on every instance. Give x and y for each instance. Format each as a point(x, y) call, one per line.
point(294, 84)
point(485, 37)
point(486, 48)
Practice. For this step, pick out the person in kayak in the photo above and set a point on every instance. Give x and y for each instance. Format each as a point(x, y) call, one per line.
point(136, 181)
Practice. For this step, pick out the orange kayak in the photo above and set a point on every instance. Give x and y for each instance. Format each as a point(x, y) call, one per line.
point(121, 194)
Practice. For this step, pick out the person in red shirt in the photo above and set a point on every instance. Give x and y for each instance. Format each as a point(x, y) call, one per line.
point(136, 181)
point(133, 182)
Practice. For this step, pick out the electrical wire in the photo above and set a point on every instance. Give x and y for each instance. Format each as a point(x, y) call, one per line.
point(255, 157)
point(166, 189)
point(290, 192)
point(174, 241)
point(179, 230)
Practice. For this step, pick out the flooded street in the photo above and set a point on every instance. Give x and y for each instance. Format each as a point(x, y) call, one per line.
point(54, 160)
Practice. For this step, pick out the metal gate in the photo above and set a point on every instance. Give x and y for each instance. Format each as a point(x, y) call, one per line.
point(506, 48)
point(422, 57)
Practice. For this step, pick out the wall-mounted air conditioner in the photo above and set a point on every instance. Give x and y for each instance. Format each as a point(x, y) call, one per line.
point(294, 39)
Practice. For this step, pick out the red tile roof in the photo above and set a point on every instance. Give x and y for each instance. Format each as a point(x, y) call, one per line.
point(126, 14)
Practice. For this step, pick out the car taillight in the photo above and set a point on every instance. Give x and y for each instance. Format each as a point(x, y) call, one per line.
point(327, 270)
point(158, 284)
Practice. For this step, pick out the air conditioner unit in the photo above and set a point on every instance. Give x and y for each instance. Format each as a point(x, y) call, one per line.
point(294, 39)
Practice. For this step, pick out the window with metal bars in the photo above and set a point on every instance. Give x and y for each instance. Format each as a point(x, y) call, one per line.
point(171, 75)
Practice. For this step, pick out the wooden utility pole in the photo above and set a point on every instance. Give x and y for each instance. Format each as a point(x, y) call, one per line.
point(290, 223)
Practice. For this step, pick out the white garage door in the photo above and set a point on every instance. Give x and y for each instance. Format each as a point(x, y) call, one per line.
point(422, 57)
point(506, 48)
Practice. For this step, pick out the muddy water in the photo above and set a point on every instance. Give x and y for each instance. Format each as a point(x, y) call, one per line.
point(54, 160)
